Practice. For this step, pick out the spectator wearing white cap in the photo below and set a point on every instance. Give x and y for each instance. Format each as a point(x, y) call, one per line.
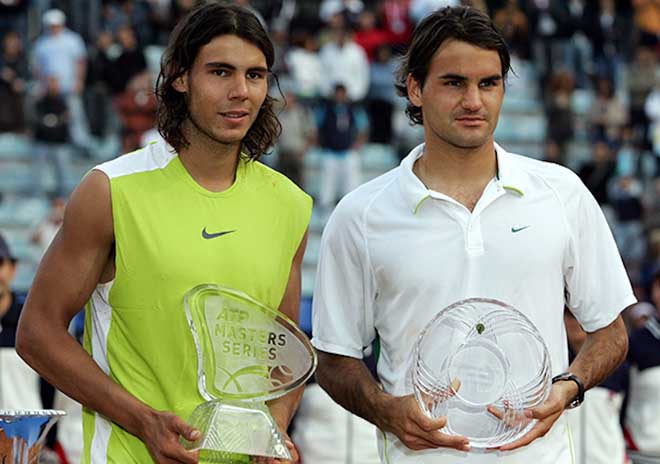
point(61, 53)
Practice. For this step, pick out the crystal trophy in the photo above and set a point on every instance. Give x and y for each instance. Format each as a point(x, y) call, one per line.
point(22, 433)
point(247, 354)
point(481, 363)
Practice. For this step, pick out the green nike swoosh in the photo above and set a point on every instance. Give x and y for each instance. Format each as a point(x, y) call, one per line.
point(514, 230)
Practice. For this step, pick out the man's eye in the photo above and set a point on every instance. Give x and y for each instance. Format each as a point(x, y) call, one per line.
point(255, 75)
point(220, 72)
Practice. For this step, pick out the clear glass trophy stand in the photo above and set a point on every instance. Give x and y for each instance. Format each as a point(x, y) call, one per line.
point(481, 363)
point(22, 434)
point(247, 354)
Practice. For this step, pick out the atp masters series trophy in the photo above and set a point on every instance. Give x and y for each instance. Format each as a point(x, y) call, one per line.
point(247, 354)
point(22, 433)
point(481, 363)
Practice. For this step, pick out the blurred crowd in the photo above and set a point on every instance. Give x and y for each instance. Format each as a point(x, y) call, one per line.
point(77, 78)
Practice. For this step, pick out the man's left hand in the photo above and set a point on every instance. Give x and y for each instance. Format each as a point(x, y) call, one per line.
point(561, 394)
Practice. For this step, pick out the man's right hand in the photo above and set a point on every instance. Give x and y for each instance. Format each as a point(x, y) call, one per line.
point(161, 432)
point(403, 417)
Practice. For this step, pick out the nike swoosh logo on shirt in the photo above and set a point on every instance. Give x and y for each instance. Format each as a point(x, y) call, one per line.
point(208, 236)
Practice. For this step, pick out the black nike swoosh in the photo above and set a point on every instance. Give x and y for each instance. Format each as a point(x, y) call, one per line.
point(208, 236)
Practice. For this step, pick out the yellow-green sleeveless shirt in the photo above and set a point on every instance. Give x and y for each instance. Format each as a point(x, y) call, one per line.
point(168, 240)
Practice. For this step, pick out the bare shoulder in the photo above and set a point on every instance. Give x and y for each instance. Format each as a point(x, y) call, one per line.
point(83, 246)
point(76, 261)
point(88, 215)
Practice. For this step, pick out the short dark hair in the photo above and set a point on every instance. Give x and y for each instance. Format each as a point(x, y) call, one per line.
point(199, 27)
point(459, 23)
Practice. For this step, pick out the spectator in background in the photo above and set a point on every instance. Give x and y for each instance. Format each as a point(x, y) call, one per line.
point(652, 110)
point(298, 135)
point(511, 20)
point(647, 21)
point(368, 36)
point(559, 113)
point(51, 134)
point(136, 107)
point(551, 151)
point(342, 60)
point(133, 13)
point(382, 97)
point(130, 62)
point(349, 10)
point(551, 29)
point(19, 384)
point(45, 231)
point(602, 28)
point(304, 65)
point(642, 416)
point(601, 441)
point(61, 53)
point(598, 172)
point(13, 76)
point(98, 85)
point(625, 195)
point(396, 21)
point(642, 75)
point(342, 129)
point(608, 114)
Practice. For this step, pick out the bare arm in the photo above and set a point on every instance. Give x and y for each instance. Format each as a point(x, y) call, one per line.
point(67, 276)
point(349, 382)
point(284, 408)
point(600, 354)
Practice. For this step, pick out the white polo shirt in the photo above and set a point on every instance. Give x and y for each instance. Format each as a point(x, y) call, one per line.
point(394, 254)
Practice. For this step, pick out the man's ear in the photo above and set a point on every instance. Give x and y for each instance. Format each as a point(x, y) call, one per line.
point(414, 91)
point(180, 84)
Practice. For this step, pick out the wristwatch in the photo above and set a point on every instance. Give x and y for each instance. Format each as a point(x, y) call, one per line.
point(577, 401)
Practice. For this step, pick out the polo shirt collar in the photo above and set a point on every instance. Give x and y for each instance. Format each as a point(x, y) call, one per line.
point(509, 177)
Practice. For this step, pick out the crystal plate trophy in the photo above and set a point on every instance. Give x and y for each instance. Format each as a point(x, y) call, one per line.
point(481, 363)
point(247, 354)
point(22, 433)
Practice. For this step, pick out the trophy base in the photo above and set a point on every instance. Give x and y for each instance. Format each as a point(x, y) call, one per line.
point(22, 433)
point(235, 428)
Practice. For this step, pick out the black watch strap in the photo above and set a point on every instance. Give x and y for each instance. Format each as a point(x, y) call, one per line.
point(577, 401)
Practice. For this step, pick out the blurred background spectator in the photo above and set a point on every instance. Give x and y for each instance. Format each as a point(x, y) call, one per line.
point(13, 80)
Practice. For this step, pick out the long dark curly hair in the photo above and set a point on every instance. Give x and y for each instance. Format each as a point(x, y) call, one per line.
point(459, 23)
point(201, 25)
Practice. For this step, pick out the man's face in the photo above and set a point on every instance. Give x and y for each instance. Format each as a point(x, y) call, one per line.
point(462, 95)
point(7, 274)
point(225, 89)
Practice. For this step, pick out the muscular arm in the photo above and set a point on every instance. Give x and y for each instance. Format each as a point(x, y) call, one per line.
point(66, 278)
point(600, 354)
point(349, 382)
